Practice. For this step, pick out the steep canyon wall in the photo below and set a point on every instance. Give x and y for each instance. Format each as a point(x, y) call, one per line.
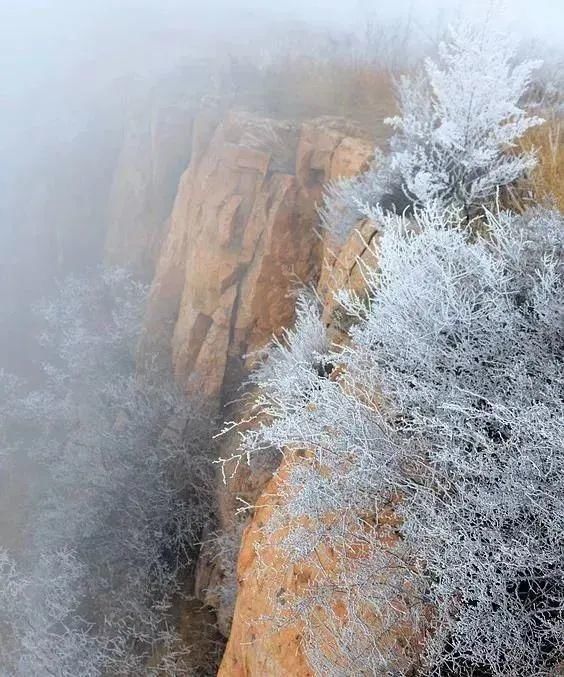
point(242, 237)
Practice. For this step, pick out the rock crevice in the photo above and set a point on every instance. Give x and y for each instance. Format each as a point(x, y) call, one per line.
point(242, 237)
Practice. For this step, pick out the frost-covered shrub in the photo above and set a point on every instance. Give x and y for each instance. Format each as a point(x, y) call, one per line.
point(470, 370)
point(302, 348)
point(41, 629)
point(344, 200)
point(444, 410)
point(289, 372)
point(11, 389)
point(90, 326)
point(122, 494)
point(458, 121)
point(455, 136)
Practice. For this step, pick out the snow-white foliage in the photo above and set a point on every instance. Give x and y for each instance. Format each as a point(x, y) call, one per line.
point(223, 548)
point(124, 475)
point(301, 349)
point(41, 630)
point(344, 200)
point(458, 121)
point(290, 370)
point(91, 325)
point(444, 410)
point(455, 135)
point(10, 396)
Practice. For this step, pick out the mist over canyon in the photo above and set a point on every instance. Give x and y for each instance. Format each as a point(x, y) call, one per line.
point(281, 339)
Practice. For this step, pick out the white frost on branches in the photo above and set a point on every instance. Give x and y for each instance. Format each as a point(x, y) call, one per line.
point(460, 118)
point(293, 363)
point(454, 138)
point(447, 405)
point(122, 499)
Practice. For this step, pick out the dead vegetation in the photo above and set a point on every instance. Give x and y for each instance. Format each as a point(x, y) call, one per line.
point(300, 75)
point(547, 179)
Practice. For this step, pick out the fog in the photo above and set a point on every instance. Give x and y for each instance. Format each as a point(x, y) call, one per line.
point(55, 55)
point(86, 90)
point(53, 48)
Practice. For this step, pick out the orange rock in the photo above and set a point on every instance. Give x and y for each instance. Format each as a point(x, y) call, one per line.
point(242, 236)
point(259, 644)
point(351, 157)
point(344, 267)
point(266, 640)
point(256, 647)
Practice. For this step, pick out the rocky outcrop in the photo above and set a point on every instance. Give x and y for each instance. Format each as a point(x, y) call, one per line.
point(242, 237)
point(256, 645)
point(250, 243)
point(261, 642)
point(344, 267)
point(269, 638)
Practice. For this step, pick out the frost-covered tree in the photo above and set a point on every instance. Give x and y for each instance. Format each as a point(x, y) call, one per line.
point(123, 474)
point(10, 395)
point(459, 120)
point(434, 449)
point(41, 629)
point(455, 135)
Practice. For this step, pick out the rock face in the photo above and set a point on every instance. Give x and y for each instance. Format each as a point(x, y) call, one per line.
point(249, 243)
point(343, 268)
point(242, 236)
point(268, 637)
point(256, 646)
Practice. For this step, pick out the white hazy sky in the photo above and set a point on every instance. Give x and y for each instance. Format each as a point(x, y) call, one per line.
point(46, 44)
point(545, 18)
point(32, 31)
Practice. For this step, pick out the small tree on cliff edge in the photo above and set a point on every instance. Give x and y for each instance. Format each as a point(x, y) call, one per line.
point(459, 119)
point(454, 137)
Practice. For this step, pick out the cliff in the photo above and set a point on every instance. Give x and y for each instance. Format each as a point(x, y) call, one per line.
point(241, 238)
point(263, 640)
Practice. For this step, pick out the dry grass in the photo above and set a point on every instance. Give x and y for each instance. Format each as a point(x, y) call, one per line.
point(547, 180)
point(303, 75)
point(305, 88)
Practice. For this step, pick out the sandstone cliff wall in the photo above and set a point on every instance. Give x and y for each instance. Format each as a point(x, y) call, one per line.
point(262, 642)
point(241, 238)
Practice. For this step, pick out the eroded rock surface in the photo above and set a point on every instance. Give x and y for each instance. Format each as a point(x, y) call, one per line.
point(268, 637)
point(344, 267)
point(242, 237)
point(258, 644)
